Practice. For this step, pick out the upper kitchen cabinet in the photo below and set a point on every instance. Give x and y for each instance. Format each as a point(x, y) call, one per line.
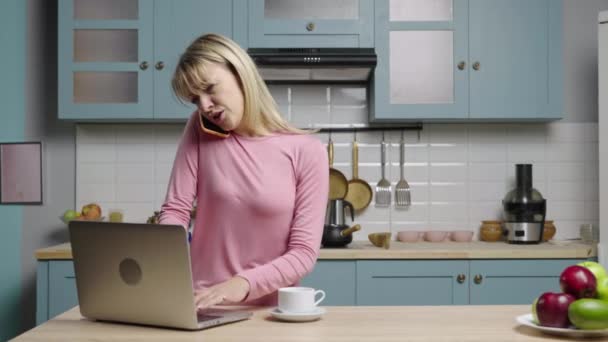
point(312, 23)
point(454, 60)
point(105, 57)
point(515, 58)
point(422, 55)
point(116, 57)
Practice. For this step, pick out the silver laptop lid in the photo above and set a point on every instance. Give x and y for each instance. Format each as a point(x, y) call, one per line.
point(137, 273)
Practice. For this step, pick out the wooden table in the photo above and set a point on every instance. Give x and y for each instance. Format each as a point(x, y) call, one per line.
point(357, 323)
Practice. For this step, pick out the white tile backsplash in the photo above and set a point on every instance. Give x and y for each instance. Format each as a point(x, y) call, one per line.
point(348, 96)
point(134, 173)
point(458, 173)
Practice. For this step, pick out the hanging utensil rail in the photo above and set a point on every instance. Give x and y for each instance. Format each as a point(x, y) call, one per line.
point(356, 128)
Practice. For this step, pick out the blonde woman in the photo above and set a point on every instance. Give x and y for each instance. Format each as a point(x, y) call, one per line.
point(260, 184)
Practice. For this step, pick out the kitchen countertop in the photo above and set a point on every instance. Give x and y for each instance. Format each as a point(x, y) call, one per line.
point(344, 323)
point(420, 250)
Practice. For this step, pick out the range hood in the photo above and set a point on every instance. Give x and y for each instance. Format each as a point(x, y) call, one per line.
point(314, 65)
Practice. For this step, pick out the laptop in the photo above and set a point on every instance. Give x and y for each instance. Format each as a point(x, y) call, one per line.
point(139, 273)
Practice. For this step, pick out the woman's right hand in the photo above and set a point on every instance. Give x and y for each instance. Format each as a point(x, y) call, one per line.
point(232, 291)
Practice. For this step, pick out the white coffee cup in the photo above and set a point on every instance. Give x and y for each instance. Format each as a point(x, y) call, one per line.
point(299, 299)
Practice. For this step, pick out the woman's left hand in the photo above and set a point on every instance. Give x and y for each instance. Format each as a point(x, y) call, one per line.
point(233, 290)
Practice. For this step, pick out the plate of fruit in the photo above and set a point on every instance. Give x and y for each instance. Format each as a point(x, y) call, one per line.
point(89, 212)
point(580, 310)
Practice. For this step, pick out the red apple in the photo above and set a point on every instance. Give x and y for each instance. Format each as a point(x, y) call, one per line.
point(578, 281)
point(552, 309)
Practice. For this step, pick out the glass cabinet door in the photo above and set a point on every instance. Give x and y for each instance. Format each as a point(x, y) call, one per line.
point(312, 23)
point(422, 56)
point(105, 51)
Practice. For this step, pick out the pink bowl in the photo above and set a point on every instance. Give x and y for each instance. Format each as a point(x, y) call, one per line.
point(409, 236)
point(461, 235)
point(435, 236)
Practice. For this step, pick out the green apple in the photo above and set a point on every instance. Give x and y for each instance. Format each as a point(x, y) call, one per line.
point(602, 289)
point(69, 215)
point(534, 315)
point(597, 269)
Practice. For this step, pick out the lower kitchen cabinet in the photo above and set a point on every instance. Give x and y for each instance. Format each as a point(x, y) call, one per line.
point(55, 289)
point(412, 282)
point(514, 281)
point(372, 282)
point(337, 278)
point(444, 282)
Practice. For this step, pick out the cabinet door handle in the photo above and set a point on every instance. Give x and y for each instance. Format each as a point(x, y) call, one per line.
point(478, 278)
point(476, 66)
point(310, 26)
point(159, 65)
point(462, 65)
point(461, 278)
point(143, 65)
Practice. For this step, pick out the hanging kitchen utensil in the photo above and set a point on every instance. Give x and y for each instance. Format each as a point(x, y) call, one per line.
point(402, 189)
point(338, 184)
point(359, 192)
point(383, 187)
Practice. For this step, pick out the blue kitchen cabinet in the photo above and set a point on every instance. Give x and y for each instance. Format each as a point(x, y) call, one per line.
point(476, 282)
point(313, 23)
point(421, 72)
point(105, 60)
point(372, 282)
point(116, 59)
point(56, 285)
point(55, 289)
point(337, 278)
point(517, 46)
point(514, 281)
point(478, 60)
point(412, 282)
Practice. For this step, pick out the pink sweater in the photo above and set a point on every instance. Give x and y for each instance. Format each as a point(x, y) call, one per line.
point(260, 207)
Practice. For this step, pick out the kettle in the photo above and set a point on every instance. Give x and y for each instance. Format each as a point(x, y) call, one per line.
point(335, 232)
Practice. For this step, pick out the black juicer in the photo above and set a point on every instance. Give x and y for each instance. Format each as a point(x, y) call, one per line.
point(524, 209)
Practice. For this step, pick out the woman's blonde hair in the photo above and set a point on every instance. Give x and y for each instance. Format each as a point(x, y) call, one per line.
point(261, 115)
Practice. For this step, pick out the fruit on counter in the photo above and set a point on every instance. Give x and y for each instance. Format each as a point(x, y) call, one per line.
point(91, 211)
point(115, 215)
point(596, 268)
point(602, 289)
point(154, 218)
point(70, 215)
point(578, 281)
point(588, 313)
point(534, 314)
point(552, 309)
point(380, 239)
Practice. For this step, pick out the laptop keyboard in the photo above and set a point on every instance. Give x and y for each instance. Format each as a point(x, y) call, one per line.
point(202, 317)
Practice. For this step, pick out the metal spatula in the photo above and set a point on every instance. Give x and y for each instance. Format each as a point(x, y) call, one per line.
point(402, 189)
point(383, 187)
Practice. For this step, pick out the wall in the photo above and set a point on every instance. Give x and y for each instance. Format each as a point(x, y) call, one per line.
point(40, 227)
point(40, 224)
point(12, 83)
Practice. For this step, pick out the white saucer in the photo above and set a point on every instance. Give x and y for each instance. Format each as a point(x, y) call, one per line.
point(570, 332)
point(297, 317)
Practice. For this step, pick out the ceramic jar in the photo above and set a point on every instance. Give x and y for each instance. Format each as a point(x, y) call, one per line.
point(490, 231)
point(548, 230)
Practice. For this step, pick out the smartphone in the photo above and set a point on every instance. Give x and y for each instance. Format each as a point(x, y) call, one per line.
point(211, 128)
